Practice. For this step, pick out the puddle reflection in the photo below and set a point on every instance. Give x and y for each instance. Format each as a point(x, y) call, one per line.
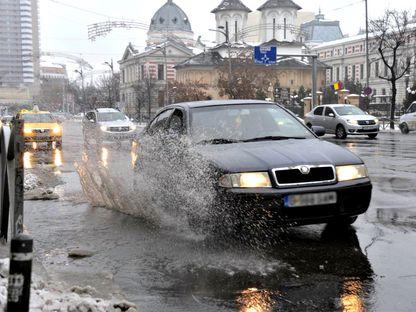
point(352, 298)
point(34, 157)
point(255, 300)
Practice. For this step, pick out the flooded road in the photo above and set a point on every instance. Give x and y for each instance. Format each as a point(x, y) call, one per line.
point(368, 267)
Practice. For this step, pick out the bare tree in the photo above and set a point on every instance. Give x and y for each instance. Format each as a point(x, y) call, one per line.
point(187, 91)
point(145, 90)
point(109, 88)
point(393, 33)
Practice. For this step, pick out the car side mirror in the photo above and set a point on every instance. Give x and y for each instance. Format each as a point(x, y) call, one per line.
point(331, 115)
point(318, 130)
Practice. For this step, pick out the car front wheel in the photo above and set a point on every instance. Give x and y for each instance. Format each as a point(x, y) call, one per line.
point(404, 128)
point(340, 133)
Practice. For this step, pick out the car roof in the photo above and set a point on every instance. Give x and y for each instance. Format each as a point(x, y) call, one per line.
point(107, 110)
point(335, 105)
point(219, 103)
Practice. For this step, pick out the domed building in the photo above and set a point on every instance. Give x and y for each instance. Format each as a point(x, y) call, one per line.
point(170, 21)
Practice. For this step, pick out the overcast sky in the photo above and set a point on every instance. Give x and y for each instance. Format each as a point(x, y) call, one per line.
point(64, 28)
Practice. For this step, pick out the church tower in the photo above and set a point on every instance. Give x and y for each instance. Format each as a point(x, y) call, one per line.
point(231, 16)
point(278, 19)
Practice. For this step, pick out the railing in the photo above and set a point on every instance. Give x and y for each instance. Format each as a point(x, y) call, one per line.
point(12, 145)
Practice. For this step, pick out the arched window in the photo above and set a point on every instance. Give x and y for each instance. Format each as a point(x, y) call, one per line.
point(227, 31)
point(236, 31)
point(274, 28)
point(284, 28)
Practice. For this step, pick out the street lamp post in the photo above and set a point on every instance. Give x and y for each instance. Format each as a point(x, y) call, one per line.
point(227, 41)
point(110, 90)
point(81, 74)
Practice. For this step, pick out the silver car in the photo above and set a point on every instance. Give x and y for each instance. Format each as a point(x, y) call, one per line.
point(408, 120)
point(343, 120)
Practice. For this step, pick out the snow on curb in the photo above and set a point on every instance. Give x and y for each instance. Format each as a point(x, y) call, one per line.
point(48, 300)
point(31, 182)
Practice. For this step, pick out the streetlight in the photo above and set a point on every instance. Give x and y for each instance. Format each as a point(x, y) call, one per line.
point(110, 90)
point(81, 74)
point(227, 40)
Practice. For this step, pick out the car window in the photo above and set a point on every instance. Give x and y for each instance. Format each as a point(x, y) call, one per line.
point(111, 116)
point(38, 118)
point(348, 110)
point(318, 111)
point(412, 109)
point(90, 116)
point(244, 122)
point(176, 124)
point(160, 122)
point(328, 111)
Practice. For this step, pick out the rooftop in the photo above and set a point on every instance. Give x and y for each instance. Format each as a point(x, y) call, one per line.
point(229, 5)
point(272, 4)
point(170, 17)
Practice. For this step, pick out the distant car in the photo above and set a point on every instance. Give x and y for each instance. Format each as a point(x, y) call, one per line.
point(41, 127)
point(261, 159)
point(408, 120)
point(107, 124)
point(343, 120)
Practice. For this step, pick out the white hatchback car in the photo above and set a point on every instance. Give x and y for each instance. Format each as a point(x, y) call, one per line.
point(408, 120)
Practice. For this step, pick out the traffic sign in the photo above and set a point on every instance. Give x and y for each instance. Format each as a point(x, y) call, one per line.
point(367, 91)
point(266, 56)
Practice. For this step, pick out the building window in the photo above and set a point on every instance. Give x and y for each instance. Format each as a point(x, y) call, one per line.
point(338, 76)
point(346, 73)
point(236, 31)
point(386, 71)
point(284, 28)
point(142, 71)
point(227, 31)
point(353, 73)
point(274, 28)
point(123, 76)
point(161, 72)
point(362, 71)
point(161, 98)
point(376, 69)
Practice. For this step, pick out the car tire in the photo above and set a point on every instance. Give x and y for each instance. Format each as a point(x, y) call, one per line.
point(404, 128)
point(340, 132)
point(372, 136)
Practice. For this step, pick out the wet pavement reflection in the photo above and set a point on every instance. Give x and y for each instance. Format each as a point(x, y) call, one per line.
point(367, 267)
point(35, 157)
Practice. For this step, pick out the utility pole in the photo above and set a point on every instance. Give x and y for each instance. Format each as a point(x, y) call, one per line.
point(111, 87)
point(367, 52)
point(81, 74)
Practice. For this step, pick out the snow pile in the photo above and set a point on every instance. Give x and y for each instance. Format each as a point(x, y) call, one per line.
point(31, 182)
point(48, 300)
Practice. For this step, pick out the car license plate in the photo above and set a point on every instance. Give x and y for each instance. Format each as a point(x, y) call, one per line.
point(370, 127)
point(314, 199)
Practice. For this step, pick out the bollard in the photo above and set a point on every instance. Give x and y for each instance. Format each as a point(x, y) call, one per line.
point(21, 255)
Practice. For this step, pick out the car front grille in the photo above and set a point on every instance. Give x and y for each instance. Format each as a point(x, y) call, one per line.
point(367, 130)
point(304, 175)
point(41, 131)
point(366, 122)
point(119, 129)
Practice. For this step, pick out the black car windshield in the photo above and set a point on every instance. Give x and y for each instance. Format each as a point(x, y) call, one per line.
point(245, 122)
point(348, 110)
point(412, 109)
point(38, 118)
point(111, 116)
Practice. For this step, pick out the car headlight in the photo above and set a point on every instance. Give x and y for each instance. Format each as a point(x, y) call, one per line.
point(245, 180)
point(57, 130)
point(133, 127)
point(376, 121)
point(352, 172)
point(103, 128)
point(27, 131)
point(352, 122)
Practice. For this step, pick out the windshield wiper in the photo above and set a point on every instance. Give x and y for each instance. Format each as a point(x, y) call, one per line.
point(219, 141)
point(274, 138)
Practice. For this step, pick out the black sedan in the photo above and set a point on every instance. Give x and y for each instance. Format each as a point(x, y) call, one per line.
point(263, 162)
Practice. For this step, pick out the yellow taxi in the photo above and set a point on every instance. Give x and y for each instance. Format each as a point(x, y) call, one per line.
point(41, 126)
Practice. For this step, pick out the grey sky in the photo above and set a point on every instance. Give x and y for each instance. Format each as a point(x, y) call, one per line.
point(64, 29)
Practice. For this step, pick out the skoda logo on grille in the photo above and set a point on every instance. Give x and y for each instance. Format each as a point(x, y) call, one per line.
point(305, 170)
point(367, 122)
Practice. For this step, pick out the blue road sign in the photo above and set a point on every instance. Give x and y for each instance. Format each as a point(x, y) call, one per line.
point(266, 56)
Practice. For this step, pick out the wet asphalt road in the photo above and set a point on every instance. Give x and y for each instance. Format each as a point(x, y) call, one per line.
point(369, 267)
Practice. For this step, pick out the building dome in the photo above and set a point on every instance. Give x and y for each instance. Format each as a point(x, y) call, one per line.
point(170, 21)
point(170, 17)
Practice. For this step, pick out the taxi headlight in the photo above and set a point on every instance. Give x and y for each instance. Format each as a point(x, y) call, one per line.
point(103, 128)
point(352, 122)
point(353, 172)
point(27, 131)
point(133, 127)
point(57, 130)
point(246, 180)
